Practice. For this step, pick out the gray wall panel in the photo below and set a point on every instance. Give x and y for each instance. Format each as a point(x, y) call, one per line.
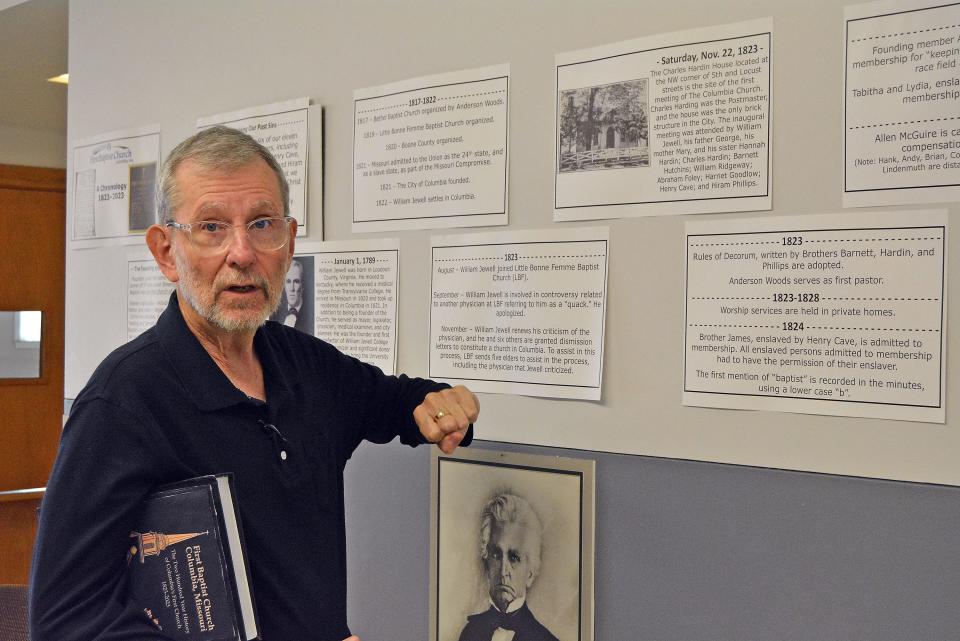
point(691, 551)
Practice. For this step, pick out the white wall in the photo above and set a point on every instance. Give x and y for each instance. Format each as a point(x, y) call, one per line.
point(32, 147)
point(5, 4)
point(137, 62)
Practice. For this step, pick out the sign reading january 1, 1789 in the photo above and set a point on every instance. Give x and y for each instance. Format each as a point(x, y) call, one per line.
point(431, 152)
point(112, 193)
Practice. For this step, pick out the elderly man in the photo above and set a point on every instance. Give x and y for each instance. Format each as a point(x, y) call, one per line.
point(510, 535)
point(215, 388)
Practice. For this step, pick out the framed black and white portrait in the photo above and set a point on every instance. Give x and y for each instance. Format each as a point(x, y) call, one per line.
point(297, 300)
point(511, 547)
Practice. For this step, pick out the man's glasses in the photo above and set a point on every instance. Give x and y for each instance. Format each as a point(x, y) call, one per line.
point(264, 234)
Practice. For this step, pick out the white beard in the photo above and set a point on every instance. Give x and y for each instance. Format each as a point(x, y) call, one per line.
point(205, 302)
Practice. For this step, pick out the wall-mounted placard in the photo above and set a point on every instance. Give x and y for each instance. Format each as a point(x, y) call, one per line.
point(112, 188)
point(670, 124)
point(147, 293)
point(829, 314)
point(284, 129)
point(346, 292)
point(901, 90)
point(520, 313)
point(431, 152)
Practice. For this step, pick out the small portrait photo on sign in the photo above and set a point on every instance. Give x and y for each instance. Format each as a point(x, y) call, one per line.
point(604, 127)
point(512, 547)
point(142, 208)
point(296, 302)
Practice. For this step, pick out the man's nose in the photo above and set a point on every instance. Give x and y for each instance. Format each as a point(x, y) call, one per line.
point(240, 252)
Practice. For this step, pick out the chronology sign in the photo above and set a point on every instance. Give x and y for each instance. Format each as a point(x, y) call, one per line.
point(431, 152)
point(520, 313)
point(840, 315)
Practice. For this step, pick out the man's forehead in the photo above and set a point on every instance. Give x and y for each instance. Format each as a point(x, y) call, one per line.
point(253, 176)
point(203, 167)
point(509, 532)
point(214, 206)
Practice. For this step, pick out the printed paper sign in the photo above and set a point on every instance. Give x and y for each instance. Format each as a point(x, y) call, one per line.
point(148, 292)
point(841, 315)
point(432, 152)
point(114, 179)
point(670, 124)
point(284, 129)
point(520, 313)
point(901, 91)
point(346, 293)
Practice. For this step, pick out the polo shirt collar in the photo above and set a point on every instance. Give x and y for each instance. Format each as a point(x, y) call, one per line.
point(204, 383)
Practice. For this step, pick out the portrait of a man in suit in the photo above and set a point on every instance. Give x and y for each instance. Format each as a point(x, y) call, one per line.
point(512, 547)
point(510, 541)
point(296, 304)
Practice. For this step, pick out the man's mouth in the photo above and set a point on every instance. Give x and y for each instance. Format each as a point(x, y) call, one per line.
point(241, 289)
point(250, 288)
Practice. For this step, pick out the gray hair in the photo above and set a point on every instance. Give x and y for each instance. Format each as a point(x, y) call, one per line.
point(218, 148)
point(510, 508)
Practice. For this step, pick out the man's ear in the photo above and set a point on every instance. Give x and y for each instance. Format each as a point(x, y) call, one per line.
point(293, 235)
point(160, 244)
point(531, 575)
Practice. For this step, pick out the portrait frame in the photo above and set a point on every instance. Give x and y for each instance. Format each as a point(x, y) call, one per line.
point(308, 295)
point(141, 206)
point(561, 492)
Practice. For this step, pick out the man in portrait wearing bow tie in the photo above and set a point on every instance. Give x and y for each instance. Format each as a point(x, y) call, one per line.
point(297, 309)
point(510, 537)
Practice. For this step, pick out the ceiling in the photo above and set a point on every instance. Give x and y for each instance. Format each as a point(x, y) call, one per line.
point(33, 47)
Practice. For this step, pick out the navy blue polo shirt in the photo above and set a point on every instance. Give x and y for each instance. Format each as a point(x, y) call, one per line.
point(159, 410)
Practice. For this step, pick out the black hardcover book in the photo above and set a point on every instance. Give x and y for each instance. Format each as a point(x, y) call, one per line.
point(186, 564)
